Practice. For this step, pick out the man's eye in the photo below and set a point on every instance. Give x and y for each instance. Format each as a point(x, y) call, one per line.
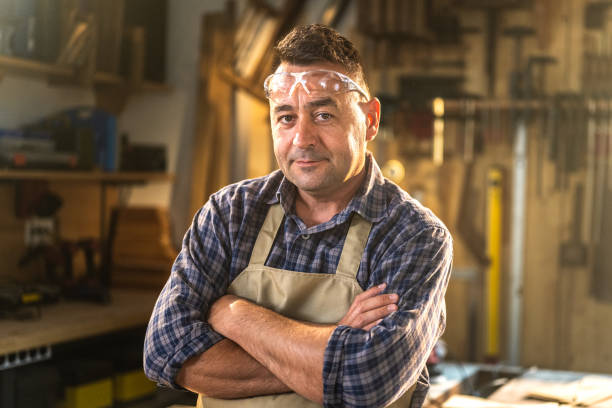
point(285, 119)
point(324, 116)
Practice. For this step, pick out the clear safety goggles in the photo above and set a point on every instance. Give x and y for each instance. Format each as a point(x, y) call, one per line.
point(315, 83)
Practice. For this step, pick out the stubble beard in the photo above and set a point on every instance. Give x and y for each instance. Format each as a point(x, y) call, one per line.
point(313, 180)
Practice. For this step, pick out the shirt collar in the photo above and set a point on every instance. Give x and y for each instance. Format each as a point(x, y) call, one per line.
point(369, 201)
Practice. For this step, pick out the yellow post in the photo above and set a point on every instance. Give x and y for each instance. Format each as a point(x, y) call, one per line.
point(438, 135)
point(494, 242)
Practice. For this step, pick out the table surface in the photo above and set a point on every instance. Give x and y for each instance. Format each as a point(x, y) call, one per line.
point(518, 389)
point(72, 320)
point(450, 382)
point(514, 391)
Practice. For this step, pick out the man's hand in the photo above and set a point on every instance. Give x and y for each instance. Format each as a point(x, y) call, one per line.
point(369, 308)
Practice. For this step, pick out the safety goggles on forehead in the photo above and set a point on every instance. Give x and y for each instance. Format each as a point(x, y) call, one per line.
point(315, 83)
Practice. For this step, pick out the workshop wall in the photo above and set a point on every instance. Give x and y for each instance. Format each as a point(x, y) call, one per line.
point(16, 100)
point(563, 325)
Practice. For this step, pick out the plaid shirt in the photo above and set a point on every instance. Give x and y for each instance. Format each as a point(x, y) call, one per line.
point(408, 248)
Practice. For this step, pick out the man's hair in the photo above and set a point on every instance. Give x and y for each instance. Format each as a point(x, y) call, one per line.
point(309, 44)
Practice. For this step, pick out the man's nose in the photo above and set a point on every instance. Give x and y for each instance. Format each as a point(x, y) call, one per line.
point(304, 136)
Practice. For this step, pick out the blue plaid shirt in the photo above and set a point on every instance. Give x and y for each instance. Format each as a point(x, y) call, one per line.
point(408, 248)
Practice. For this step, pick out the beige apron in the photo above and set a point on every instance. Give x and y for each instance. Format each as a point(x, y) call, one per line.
point(313, 297)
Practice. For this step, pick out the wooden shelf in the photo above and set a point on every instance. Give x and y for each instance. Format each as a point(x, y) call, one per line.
point(72, 320)
point(89, 176)
point(33, 67)
point(42, 69)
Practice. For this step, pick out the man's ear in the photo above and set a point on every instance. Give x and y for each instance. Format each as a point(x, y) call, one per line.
point(371, 109)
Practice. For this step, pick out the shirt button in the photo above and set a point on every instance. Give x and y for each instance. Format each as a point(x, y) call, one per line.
point(305, 236)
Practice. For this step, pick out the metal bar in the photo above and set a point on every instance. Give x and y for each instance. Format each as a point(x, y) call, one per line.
point(519, 196)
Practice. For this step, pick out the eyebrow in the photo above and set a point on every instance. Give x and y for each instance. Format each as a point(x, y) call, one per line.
point(322, 102)
point(283, 108)
point(312, 104)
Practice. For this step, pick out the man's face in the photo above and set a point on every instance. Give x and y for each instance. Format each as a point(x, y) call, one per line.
point(320, 141)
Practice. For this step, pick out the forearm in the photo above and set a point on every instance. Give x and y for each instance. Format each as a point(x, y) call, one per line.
point(293, 351)
point(226, 371)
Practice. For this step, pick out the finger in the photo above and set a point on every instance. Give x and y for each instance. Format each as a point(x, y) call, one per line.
point(369, 326)
point(365, 319)
point(373, 291)
point(378, 301)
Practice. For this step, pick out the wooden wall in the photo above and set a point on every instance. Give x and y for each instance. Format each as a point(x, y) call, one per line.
point(563, 326)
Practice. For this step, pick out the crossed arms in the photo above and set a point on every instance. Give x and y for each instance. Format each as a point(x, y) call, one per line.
point(267, 353)
point(232, 348)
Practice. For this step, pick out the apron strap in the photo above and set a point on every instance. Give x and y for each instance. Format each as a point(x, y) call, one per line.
point(352, 251)
point(266, 236)
point(354, 245)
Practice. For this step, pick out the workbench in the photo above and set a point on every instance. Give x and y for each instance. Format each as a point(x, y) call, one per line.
point(72, 320)
point(499, 383)
point(453, 381)
point(518, 389)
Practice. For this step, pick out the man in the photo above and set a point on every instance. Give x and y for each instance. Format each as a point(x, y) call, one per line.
point(321, 283)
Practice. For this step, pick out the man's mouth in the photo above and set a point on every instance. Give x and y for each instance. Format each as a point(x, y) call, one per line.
point(306, 162)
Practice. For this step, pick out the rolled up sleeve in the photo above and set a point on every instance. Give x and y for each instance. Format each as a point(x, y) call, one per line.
point(373, 368)
point(177, 329)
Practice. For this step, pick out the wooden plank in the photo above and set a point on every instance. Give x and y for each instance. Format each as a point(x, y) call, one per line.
point(202, 143)
point(66, 321)
point(465, 401)
point(137, 37)
point(562, 386)
point(212, 141)
point(586, 391)
point(541, 337)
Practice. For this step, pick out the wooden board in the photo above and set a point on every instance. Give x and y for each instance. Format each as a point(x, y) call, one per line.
point(544, 383)
point(211, 144)
point(68, 321)
point(586, 391)
point(464, 401)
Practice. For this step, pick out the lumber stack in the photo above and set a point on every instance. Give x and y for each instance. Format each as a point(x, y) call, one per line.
point(141, 251)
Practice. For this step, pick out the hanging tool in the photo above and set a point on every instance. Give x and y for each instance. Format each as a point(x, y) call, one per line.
point(601, 283)
point(547, 133)
point(517, 76)
point(493, 11)
point(573, 252)
point(496, 129)
point(469, 130)
point(536, 74)
point(468, 205)
point(590, 163)
point(599, 166)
